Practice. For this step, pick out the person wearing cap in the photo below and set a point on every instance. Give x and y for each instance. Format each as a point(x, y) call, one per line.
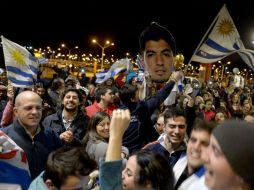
point(229, 157)
point(157, 47)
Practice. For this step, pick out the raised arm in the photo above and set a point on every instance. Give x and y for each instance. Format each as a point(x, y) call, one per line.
point(154, 102)
point(119, 123)
point(111, 169)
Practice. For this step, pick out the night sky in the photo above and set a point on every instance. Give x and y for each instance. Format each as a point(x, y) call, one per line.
point(50, 23)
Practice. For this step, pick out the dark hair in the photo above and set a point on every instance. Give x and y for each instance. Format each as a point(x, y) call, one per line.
point(67, 161)
point(71, 81)
point(91, 133)
point(56, 83)
point(39, 85)
point(221, 110)
point(101, 90)
point(156, 32)
point(203, 125)
point(173, 112)
point(71, 89)
point(154, 168)
point(127, 92)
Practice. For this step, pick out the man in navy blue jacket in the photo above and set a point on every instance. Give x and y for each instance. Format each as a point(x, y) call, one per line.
point(141, 130)
point(37, 141)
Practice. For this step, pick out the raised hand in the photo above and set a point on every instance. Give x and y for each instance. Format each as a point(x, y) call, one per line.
point(119, 122)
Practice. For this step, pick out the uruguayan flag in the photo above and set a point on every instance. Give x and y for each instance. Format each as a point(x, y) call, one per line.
point(42, 60)
point(13, 163)
point(247, 56)
point(20, 65)
point(118, 66)
point(100, 76)
point(223, 40)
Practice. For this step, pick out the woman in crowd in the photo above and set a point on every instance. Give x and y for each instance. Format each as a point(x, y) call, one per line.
point(234, 106)
point(220, 115)
point(144, 169)
point(96, 138)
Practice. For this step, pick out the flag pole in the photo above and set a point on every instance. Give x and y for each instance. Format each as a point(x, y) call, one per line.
point(215, 19)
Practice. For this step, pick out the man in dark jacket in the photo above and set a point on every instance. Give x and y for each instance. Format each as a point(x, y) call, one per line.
point(70, 122)
point(37, 141)
point(141, 130)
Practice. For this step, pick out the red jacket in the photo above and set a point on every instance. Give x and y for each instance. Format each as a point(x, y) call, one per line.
point(92, 109)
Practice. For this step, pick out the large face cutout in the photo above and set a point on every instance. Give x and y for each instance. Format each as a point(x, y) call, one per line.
point(158, 60)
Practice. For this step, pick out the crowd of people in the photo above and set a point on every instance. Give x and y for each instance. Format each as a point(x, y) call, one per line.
point(109, 136)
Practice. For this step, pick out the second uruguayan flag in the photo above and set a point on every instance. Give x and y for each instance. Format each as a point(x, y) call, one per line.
point(223, 40)
point(118, 66)
point(21, 65)
point(13, 163)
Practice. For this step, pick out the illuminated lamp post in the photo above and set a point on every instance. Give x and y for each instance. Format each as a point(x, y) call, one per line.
point(103, 47)
point(69, 50)
point(223, 67)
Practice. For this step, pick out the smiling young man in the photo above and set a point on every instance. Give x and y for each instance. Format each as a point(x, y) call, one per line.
point(173, 145)
point(70, 122)
point(197, 143)
point(157, 46)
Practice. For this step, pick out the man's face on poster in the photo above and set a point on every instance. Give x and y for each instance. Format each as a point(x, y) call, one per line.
point(158, 60)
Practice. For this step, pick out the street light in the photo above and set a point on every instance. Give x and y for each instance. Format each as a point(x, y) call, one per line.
point(106, 45)
point(69, 53)
point(48, 51)
point(222, 67)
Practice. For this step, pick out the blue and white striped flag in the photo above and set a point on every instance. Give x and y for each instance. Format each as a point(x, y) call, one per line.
point(21, 65)
point(247, 56)
point(223, 40)
point(42, 60)
point(100, 76)
point(118, 66)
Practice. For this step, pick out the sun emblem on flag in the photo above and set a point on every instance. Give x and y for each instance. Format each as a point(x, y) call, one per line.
point(18, 57)
point(225, 27)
